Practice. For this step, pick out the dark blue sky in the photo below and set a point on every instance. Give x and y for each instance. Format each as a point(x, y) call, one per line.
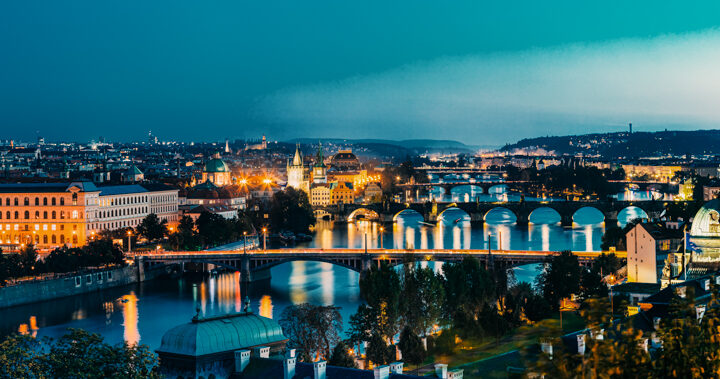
point(479, 72)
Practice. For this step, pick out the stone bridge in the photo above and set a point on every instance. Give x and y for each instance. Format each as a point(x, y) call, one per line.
point(432, 211)
point(257, 263)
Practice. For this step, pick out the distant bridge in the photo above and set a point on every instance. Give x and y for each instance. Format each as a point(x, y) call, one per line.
point(257, 261)
point(433, 212)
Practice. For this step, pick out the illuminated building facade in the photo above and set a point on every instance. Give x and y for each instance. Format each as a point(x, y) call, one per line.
point(55, 214)
point(216, 171)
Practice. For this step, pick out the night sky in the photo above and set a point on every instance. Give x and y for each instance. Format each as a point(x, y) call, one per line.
point(474, 71)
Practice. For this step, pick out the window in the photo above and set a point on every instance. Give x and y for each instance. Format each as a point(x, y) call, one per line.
point(52, 201)
point(88, 279)
point(62, 215)
point(37, 201)
point(44, 200)
point(75, 239)
point(8, 215)
point(109, 275)
point(27, 201)
point(16, 201)
point(37, 215)
point(53, 238)
point(62, 201)
point(52, 227)
point(62, 238)
point(53, 215)
point(45, 215)
point(45, 240)
point(27, 215)
point(78, 281)
point(74, 198)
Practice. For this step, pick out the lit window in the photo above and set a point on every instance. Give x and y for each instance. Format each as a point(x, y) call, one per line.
point(52, 227)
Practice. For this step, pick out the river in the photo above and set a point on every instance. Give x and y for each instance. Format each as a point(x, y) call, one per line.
point(143, 312)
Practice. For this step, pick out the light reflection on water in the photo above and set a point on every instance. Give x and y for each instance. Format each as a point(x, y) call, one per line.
point(144, 312)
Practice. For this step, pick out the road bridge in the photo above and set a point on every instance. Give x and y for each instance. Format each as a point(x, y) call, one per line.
point(477, 211)
point(256, 262)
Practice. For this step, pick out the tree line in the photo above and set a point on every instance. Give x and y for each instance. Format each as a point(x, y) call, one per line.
point(77, 354)
point(427, 310)
point(97, 253)
point(685, 344)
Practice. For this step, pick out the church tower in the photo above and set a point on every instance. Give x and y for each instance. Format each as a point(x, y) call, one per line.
point(319, 171)
point(296, 171)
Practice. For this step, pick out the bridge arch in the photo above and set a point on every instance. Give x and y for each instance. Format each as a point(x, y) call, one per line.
point(500, 215)
point(497, 188)
point(322, 214)
point(546, 212)
point(348, 263)
point(453, 208)
point(407, 212)
point(590, 212)
point(471, 192)
point(366, 213)
point(631, 212)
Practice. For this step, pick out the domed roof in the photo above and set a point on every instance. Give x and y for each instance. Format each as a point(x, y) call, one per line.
point(221, 334)
point(216, 165)
point(706, 222)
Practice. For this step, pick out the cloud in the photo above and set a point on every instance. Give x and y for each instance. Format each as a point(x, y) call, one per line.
point(668, 81)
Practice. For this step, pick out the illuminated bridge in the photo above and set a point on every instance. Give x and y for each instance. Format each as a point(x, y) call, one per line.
point(258, 262)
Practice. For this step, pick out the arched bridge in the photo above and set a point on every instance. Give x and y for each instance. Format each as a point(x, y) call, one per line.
point(354, 259)
point(432, 212)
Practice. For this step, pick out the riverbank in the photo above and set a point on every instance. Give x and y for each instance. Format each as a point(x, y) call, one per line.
point(77, 283)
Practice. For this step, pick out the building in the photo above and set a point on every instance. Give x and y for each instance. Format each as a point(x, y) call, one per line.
point(296, 176)
point(208, 193)
point(342, 193)
point(373, 193)
point(345, 160)
point(710, 192)
point(132, 175)
point(217, 172)
point(648, 247)
point(194, 211)
point(70, 213)
point(208, 347)
point(319, 171)
point(659, 173)
point(320, 195)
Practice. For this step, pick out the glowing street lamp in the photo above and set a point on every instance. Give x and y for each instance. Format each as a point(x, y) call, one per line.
point(129, 234)
point(264, 231)
point(245, 243)
point(382, 229)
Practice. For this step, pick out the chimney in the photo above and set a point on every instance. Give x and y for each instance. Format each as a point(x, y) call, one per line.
point(242, 358)
point(396, 367)
point(581, 344)
point(381, 372)
point(261, 352)
point(290, 353)
point(546, 347)
point(455, 374)
point(441, 370)
point(319, 370)
point(289, 368)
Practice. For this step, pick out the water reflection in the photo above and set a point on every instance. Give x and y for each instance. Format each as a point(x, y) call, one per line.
point(129, 304)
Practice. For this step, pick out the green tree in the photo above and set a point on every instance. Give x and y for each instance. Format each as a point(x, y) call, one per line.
point(152, 228)
point(313, 329)
point(28, 260)
point(422, 298)
point(341, 357)
point(213, 229)
point(468, 290)
point(378, 350)
point(560, 278)
point(411, 347)
point(21, 356)
point(381, 288)
point(291, 210)
point(185, 236)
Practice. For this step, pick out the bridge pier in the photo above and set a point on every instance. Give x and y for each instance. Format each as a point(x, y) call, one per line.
point(523, 219)
point(566, 220)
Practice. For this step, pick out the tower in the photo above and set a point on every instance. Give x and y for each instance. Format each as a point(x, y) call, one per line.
point(264, 143)
point(227, 146)
point(319, 173)
point(630, 126)
point(296, 170)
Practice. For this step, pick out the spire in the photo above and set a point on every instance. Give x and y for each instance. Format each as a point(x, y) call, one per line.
point(297, 159)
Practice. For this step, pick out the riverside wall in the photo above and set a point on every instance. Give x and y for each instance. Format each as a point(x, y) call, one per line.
point(75, 284)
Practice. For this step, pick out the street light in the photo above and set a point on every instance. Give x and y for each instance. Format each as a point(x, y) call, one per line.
point(611, 281)
point(245, 243)
point(129, 233)
point(264, 230)
point(381, 237)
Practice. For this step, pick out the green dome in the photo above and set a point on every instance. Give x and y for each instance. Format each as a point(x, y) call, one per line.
point(216, 165)
point(221, 334)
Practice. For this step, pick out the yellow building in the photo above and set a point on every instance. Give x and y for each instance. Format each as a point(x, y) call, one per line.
point(342, 193)
point(54, 214)
point(659, 173)
point(217, 172)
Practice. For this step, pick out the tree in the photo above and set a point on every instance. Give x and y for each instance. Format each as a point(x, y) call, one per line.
point(185, 236)
point(213, 229)
point(152, 228)
point(77, 354)
point(28, 257)
point(412, 348)
point(378, 350)
point(341, 356)
point(468, 290)
point(381, 287)
point(9, 266)
point(422, 298)
point(291, 210)
point(560, 278)
point(312, 329)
